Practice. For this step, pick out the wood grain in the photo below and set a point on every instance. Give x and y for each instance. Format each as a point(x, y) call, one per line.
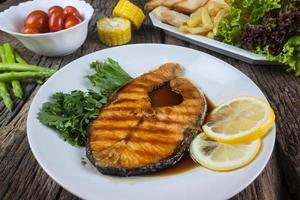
point(22, 178)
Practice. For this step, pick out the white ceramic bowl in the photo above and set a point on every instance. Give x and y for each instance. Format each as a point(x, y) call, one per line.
point(48, 44)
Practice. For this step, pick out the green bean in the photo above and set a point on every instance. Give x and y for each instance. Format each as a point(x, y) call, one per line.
point(17, 89)
point(10, 58)
point(9, 76)
point(8, 52)
point(19, 59)
point(6, 96)
point(2, 55)
point(23, 68)
point(24, 62)
point(39, 82)
point(3, 87)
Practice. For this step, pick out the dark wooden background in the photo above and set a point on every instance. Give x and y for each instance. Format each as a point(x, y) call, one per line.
point(22, 178)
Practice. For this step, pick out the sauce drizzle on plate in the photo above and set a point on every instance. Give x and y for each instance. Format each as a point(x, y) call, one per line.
point(186, 163)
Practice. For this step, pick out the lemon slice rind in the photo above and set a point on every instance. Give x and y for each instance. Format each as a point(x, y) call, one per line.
point(262, 127)
point(206, 160)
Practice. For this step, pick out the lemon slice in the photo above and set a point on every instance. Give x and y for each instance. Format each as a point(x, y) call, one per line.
point(241, 119)
point(222, 157)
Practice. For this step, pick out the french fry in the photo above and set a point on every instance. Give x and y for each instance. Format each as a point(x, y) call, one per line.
point(206, 20)
point(193, 30)
point(214, 6)
point(183, 28)
point(195, 19)
point(198, 30)
point(210, 35)
point(222, 4)
point(213, 11)
point(217, 4)
point(217, 20)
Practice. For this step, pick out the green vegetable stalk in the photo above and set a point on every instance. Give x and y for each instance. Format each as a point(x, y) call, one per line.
point(3, 88)
point(10, 58)
point(2, 55)
point(17, 89)
point(6, 97)
point(10, 76)
point(13, 72)
point(23, 68)
point(19, 59)
point(8, 52)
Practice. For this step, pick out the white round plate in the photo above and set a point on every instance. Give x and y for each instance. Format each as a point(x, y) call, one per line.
point(220, 82)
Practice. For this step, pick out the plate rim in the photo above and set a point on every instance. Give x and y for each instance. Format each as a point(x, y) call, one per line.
point(77, 193)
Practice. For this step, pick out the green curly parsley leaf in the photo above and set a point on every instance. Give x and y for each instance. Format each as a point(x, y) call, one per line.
point(70, 113)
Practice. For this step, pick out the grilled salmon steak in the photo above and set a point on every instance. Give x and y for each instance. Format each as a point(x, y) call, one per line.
point(132, 136)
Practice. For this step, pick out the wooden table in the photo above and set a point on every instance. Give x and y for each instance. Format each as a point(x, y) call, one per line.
point(22, 178)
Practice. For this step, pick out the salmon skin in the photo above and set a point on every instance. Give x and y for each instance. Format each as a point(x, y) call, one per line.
point(130, 137)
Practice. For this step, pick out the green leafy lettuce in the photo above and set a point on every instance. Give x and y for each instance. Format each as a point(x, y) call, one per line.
point(290, 55)
point(109, 76)
point(242, 12)
point(70, 113)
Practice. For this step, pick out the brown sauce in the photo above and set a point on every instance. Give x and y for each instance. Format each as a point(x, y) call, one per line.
point(83, 161)
point(186, 163)
point(165, 96)
point(210, 105)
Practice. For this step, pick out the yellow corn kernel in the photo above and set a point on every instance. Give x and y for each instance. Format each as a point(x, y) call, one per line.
point(128, 10)
point(114, 31)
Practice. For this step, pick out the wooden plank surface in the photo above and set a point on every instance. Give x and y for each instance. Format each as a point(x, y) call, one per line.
point(22, 178)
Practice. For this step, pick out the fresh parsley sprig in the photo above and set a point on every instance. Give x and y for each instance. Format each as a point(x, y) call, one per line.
point(70, 113)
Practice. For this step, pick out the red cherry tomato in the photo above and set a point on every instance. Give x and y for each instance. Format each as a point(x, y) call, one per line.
point(56, 22)
point(29, 30)
point(70, 10)
point(55, 9)
point(72, 20)
point(37, 19)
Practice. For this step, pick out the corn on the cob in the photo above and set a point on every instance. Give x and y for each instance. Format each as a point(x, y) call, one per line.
point(114, 31)
point(128, 10)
